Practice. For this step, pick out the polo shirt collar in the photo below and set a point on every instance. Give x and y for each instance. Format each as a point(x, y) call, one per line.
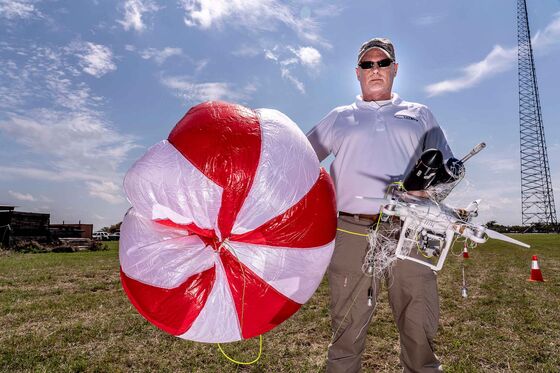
point(372, 105)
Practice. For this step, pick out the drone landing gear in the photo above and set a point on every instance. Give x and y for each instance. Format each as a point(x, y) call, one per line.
point(430, 244)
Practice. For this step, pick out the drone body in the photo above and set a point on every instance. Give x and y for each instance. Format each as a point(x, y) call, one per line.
point(432, 227)
point(429, 227)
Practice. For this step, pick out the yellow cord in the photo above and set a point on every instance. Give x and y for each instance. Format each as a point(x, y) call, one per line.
point(364, 234)
point(242, 314)
point(350, 232)
point(399, 184)
point(243, 362)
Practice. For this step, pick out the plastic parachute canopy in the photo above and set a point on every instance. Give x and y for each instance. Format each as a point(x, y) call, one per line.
point(232, 224)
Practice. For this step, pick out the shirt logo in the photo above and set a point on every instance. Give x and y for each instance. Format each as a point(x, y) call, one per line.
point(403, 116)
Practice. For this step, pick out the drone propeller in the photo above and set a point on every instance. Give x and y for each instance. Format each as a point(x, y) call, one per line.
point(502, 237)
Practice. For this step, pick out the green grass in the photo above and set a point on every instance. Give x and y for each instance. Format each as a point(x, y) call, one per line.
point(66, 312)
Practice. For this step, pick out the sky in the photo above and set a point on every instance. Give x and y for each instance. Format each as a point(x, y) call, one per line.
point(86, 87)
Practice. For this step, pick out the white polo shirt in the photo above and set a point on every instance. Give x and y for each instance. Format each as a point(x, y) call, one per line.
point(374, 144)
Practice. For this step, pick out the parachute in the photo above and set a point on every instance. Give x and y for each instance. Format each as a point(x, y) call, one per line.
point(232, 224)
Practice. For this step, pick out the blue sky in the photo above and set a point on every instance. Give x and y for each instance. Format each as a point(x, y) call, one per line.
point(87, 86)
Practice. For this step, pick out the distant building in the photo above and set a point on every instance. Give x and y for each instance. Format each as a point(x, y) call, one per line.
point(65, 230)
point(22, 225)
point(19, 225)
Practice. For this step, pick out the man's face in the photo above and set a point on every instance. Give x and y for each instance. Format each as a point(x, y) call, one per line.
point(377, 82)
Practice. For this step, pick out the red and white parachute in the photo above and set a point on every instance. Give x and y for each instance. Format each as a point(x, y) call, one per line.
point(232, 224)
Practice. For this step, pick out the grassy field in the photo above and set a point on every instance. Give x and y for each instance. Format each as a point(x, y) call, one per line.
point(67, 312)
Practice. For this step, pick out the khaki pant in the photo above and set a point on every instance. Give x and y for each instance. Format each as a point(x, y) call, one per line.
point(412, 295)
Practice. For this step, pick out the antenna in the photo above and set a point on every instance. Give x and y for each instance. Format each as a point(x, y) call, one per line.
point(537, 197)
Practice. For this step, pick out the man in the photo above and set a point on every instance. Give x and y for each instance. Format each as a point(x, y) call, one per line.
point(375, 141)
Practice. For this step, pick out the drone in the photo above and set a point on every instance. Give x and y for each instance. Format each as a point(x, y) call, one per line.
point(427, 225)
point(432, 228)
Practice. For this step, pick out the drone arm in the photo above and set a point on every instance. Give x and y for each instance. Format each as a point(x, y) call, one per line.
point(473, 233)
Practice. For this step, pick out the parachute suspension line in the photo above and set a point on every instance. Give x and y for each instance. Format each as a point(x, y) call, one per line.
point(357, 290)
point(362, 234)
point(225, 243)
point(244, 362)
point(350, 232)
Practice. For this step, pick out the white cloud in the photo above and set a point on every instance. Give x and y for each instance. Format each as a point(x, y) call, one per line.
point(286, 74)
point(22, 196)
point(44, 73)
point(185, 88)
point(270, 55)
point(160, 55)
point(95, 59)
point(500, 59)
point(549, 36)
point(73, 146)
point(79, 139)
point(289, 61)
point(106, 190)
point(14, 9)
point(259, 15)
point(134, 10)
point(288, 58)
point(68, 138)
point(308, 56)
point(268, 15)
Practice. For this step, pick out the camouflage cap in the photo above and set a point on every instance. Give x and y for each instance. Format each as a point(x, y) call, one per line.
point(381, 43)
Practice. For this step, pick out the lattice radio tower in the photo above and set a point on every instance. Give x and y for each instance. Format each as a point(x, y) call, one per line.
point(537, 197)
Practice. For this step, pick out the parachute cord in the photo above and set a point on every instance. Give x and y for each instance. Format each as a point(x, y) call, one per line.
point(225, 243)
point(380, 215)
point(357, 290)
point(243, 362)
point(350, 232)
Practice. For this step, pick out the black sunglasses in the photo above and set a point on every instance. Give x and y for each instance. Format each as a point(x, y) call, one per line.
point(380, 64)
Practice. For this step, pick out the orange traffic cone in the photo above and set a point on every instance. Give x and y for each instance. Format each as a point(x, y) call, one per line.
point(536, 275)
point(465, 252)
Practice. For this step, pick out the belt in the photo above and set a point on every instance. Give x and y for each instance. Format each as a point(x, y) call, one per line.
point(360, 216)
